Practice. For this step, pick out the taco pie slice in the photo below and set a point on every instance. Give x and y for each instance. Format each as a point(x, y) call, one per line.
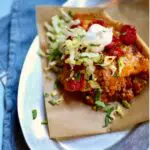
point(95, 60)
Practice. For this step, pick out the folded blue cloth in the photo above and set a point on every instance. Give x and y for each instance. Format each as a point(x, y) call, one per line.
point(17, 42)
point(4, 40)
point(22, 32)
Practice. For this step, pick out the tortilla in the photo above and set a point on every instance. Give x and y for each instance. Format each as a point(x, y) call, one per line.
point(73, 118)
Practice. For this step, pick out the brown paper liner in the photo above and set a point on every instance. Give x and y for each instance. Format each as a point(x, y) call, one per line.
point(72, 118)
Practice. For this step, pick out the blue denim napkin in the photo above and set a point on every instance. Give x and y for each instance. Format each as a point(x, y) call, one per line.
point(22, 32)
point(4, 40)
point(14, 46)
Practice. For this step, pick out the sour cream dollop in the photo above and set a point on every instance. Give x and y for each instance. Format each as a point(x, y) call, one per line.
point(99, 35)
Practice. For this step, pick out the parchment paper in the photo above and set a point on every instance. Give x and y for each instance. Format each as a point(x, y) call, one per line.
point(72, 118)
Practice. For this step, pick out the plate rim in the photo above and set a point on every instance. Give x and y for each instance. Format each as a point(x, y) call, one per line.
point(19, 89)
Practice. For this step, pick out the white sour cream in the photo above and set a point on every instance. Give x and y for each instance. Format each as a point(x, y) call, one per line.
point(99, 35)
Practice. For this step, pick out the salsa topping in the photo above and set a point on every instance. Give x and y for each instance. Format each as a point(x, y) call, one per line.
point(128, 34)
point(115, 43)
point(115, 51)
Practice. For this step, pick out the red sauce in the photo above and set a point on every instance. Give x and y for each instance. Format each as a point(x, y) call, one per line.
point(128, 34)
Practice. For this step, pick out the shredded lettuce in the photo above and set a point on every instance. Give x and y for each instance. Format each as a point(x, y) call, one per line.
point(71, 59)
point(65, 15)
point(52, 63)
point(97, 95)
point(78, 76)
point(34, 114)
point(75, 32)
point(126, 104)
point(55, 22)
point(96, 49)
point(108, 117)
point(100, 104)
point(119, 111)
point(113, 68)
point(50, 35)
point(72, 44)
point(57, 101)
point(54, 55)
point(90, 68)
point(89, 55)
point(49, 27)
point(95, 57)
point(121, 64)
point(74, 22)
point(108, 60)
point(41, 53)
point(94, 84)
point(83, 60)
point(70, 13)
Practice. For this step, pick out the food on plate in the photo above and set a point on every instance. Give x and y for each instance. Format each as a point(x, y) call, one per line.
point(96, 59)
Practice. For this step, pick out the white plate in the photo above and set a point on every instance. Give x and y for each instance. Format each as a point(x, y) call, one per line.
point(30, 97)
